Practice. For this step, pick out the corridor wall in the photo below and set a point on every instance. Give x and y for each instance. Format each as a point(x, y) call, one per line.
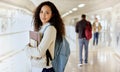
point(116, 25)
point(14, 27)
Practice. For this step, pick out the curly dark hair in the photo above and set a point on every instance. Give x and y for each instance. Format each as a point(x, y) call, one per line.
point(56, 19)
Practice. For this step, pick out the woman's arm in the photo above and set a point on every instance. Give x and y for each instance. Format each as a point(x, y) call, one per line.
point(48, 38)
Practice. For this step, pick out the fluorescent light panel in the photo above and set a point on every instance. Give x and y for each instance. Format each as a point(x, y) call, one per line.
point(81, 5)
point(74, 9)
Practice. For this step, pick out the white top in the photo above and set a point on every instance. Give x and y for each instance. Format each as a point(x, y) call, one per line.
point(47, 42)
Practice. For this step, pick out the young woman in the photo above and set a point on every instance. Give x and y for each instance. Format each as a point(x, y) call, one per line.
point(47, 16)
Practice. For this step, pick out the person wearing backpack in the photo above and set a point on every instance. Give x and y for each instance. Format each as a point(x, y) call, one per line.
point(48, 21)
point(83, 41)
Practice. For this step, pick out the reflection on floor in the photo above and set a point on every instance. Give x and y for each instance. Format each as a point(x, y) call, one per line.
point(101, 59)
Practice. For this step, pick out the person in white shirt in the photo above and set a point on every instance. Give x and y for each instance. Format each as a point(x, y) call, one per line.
point(96, 30)
point(46, 14)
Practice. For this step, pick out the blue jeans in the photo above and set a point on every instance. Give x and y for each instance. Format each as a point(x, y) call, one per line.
point(83, 42)
point(95, 38)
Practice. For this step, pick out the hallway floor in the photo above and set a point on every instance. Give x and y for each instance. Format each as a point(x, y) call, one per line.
point(101, 59)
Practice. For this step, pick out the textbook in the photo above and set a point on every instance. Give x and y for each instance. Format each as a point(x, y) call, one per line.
point(35, 38)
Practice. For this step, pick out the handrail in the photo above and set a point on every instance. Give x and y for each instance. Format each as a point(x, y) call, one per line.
point(12, 52)
point(9, 54)
point(4, 34)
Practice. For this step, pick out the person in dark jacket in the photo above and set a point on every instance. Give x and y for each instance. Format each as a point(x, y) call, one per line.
point(83, 42)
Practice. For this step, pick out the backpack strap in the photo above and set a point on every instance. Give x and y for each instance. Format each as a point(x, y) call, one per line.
point(48, 56)
point(45, 29)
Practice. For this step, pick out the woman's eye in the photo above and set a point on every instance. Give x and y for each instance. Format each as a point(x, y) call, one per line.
point(41, 11)
point(47, 12)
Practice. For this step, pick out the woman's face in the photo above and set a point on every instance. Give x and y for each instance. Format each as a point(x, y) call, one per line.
point(45, 14)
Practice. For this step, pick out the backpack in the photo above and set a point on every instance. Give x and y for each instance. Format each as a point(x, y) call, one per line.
point(88, 31)
point(61, 55)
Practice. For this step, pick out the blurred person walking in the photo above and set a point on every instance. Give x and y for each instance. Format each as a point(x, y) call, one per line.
point(96, 31)
point(83, 41)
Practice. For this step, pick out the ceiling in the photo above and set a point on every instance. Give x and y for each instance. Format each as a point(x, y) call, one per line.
point(64, 5)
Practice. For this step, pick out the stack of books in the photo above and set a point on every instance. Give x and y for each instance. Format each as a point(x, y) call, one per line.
point(35, 38)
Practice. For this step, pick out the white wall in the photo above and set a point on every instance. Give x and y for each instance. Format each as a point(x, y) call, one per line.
point(14, 27)
point(116, 25)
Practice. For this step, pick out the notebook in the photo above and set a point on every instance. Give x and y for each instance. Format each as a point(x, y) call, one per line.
point(35, 38)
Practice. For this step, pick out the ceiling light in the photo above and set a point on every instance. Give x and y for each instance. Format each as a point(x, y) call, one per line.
point(74, 9)
point(81, 5)
point(70, 11)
